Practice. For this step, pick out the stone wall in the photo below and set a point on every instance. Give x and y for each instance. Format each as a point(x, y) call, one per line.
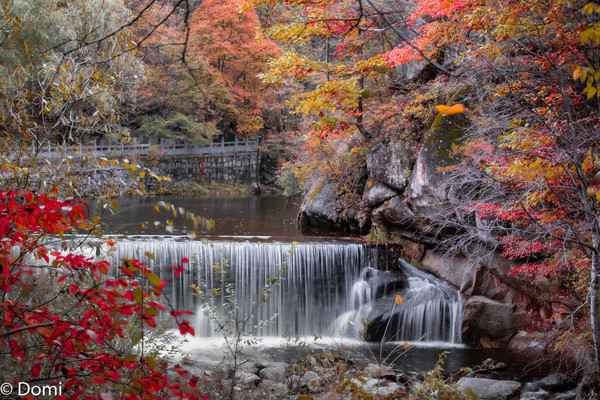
point(230, 168)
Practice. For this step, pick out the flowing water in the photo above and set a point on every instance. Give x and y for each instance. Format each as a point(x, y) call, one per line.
point(256, 269)
point(298, 289)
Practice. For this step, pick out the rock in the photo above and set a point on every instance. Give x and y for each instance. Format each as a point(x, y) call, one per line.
point(255, 189)
point(539, 395)
point(379, 387)
point(312, 381)
point(487, 318)
point(385, 319)
point(246, 378)
point(532, 344)
point(396, 213)
point(557, 382)
point(490, 389)
point(569, 395)
point(427, 181)
point(554, 383)
point(458, 271)
point(391, 164)
point(412, 70)
point(489, 277)
point(378, 194)
point(276, 373)
point(490, 365)
point(268, 364)
point(275, 390)
point(380, 371)
point(322, 211)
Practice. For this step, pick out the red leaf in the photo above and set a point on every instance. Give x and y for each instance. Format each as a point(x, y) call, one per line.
point(36, 369)
point(185, 328)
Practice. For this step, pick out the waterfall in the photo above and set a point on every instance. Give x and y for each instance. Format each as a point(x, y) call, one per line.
point(281, 289)
point(298, 289)
point(431, 310)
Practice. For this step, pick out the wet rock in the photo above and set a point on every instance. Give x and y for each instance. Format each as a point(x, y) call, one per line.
point(378, 194)
point(391, 164)
point(484, 317)
point(312, 381)
point(255, 189)
point(490, 389)
point(276, 373)
point(380, 371)
point(400, 322)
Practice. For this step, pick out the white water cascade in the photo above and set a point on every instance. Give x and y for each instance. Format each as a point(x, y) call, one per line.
point(299, 289)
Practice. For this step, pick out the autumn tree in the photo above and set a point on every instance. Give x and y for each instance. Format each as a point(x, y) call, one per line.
point(71, 319)
point(227, 34)
point(528, 183)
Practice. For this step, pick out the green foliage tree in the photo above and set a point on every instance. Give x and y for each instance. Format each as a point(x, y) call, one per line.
point(56, 85)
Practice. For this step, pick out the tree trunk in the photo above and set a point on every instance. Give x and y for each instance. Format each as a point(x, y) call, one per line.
point(595, 300)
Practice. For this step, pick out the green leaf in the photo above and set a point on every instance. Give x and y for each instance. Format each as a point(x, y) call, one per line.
point(138, 295)
point(153, 279)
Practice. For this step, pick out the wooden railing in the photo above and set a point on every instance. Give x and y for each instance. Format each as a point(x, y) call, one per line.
point(127, 150)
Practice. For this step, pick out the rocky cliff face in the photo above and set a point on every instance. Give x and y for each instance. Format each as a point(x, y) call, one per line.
point(402, 194)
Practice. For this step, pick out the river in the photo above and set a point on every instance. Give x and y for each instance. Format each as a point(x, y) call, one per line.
point(292, 291)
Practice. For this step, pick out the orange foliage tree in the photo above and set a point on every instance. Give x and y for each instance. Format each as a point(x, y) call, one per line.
point(228, 36)
point(531, 166)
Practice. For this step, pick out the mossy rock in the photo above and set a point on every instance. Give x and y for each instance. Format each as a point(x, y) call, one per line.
point(446, 133)
point(438, 155)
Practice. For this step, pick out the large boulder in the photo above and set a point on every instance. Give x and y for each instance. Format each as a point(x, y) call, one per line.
point(490, 389)
point(531, 344)
point(487, 319)
point(490, 278)
point(323, 212)
point(437, 154)
point(391, 164)
point(459, 272)
point(396, 213)
point(378, 194)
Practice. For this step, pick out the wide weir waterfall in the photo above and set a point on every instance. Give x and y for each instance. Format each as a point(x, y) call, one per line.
point(298, 289)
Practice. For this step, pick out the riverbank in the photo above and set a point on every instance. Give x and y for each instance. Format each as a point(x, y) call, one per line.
point(304, 370)
point(292, 285)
